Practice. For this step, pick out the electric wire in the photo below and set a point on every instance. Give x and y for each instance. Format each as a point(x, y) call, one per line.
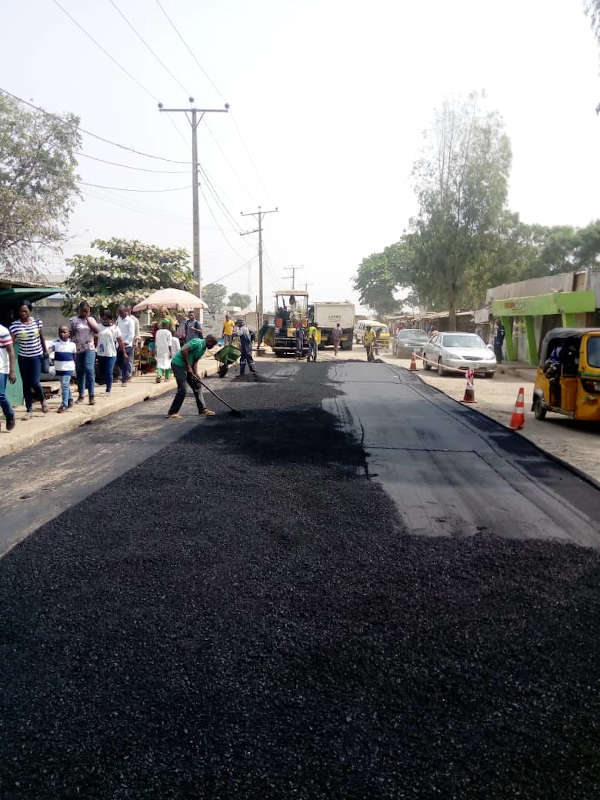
point(105, 51)
point(190, 51)
point(147, 46)
point(217, 90)
point(127, 189)
point(225, 237)
point(89, 133)
point(130, 166)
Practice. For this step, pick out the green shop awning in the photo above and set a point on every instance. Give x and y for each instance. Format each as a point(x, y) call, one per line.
point(544, 304)
point(11, 296)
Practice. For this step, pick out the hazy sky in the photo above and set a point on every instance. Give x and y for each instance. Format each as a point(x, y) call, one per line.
point(330, 99)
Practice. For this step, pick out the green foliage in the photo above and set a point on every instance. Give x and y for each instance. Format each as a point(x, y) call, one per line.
point(461, 184)
point(38, 183)
point(240, 300)
point(129, 271)
point(214, 295)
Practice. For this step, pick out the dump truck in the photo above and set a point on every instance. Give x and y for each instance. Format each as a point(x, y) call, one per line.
point(327, 315)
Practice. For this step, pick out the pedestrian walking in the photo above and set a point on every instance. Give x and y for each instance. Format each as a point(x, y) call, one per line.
point(369, 343)
point(183, 364)
point(110, 342)
point(193, 329)
point(27, 333)
point(64, 350)
point(300, 334)
point(84, 330)
point(228, 329)
point(336, 336)
point(245, 346)
point(7, 373)
point(126, 326)
point(163, 340)
point(499, 341)
point(180, 331)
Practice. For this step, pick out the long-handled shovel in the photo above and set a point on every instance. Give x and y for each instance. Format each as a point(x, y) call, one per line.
point(233, 411)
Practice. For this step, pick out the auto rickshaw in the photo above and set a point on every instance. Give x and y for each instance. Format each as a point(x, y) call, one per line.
point(568, 376)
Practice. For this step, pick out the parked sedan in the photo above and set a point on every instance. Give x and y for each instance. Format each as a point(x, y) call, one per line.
point(408, 341)
point(459, 351)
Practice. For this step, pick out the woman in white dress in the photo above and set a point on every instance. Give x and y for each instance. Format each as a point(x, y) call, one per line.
point(162, 342)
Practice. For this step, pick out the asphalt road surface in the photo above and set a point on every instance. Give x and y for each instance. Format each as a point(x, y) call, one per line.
point(358, 590)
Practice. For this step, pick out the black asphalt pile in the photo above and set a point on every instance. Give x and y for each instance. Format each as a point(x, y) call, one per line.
point(243, 616)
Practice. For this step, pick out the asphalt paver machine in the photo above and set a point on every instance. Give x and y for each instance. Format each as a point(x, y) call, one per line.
point(291, 310)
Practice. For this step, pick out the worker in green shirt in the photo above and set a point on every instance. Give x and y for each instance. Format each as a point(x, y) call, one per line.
point(183, 364)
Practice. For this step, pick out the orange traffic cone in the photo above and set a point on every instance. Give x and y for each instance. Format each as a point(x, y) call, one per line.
point(413, 361)
point(518, 418)
point(470, 388)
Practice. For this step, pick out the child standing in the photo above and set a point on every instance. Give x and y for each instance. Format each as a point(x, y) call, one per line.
point(163, 341)
point(109, 336)
point(64, 365)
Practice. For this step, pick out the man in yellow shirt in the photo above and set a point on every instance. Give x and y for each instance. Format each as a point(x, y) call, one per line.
point(228, 327)
point(312, 342)
point(369, 343)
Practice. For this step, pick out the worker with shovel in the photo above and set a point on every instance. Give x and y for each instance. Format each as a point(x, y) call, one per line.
point(183, 364)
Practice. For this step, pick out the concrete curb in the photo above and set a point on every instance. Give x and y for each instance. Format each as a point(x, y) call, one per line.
point(26, 434)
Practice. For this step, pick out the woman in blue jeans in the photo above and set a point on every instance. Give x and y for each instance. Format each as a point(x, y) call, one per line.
point(27, 333)
point(84, 330)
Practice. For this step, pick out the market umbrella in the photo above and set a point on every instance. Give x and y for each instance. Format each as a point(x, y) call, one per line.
point(175, 299)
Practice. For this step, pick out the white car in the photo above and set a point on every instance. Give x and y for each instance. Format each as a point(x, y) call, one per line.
point(459, 351)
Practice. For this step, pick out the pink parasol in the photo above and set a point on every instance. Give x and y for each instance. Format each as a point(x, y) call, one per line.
point(175, 299)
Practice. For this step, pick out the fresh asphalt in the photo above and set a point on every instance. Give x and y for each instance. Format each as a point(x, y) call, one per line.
point(358, 590)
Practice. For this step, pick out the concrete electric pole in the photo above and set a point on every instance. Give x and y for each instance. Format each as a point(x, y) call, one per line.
point(259, 215)
point(194, 117)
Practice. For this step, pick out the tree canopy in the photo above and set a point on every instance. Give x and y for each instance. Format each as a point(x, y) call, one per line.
point(38, 183)
point(240, 300)
point(128, 272)
point(463, 239)
point(214, 295)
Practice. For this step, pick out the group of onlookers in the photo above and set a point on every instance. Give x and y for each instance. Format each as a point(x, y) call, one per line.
point(74, 351)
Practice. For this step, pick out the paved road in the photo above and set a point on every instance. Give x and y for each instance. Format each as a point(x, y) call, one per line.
point(452, 471)
point(259, 608)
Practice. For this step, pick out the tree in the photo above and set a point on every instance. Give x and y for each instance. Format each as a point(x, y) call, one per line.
point(240, 300)
point(376, 281)
point(592, 9)
point(38, 183)
point(214, 295)
point(129, 271)
point(461, 184)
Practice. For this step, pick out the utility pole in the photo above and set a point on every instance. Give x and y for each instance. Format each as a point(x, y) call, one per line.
point(194, 117)
point(293, 269)
point(259, 216)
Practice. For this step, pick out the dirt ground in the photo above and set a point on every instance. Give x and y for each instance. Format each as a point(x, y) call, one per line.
point(577, 443)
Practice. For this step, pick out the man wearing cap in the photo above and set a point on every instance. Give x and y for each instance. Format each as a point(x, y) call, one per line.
point(241, 330)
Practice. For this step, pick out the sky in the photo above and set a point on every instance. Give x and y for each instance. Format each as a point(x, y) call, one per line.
point(328, 103)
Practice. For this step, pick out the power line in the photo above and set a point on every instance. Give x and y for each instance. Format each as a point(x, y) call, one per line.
point(147, 46)
point(227, 214)
point(218, 226)
point(190, 51)
point(217, 90)
point(89, 133)
point(129, 166)
point(125, 189)
point(105, 51)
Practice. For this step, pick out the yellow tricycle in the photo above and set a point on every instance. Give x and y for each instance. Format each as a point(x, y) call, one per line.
point(568, 376)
